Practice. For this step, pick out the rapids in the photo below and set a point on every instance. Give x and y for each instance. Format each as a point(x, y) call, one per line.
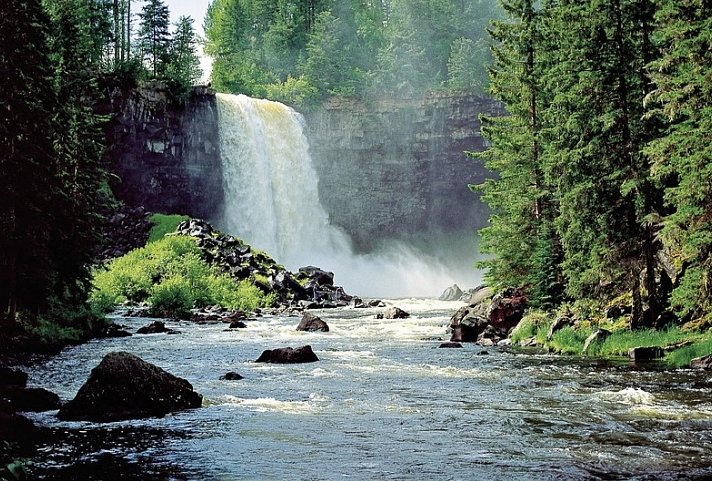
point(383, 403)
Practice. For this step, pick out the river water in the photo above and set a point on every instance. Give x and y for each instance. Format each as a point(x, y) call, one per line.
point(383, 403)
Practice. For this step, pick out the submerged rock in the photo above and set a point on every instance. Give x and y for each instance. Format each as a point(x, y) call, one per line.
point(393, 312)
point(231, 376)
point(288, 355)
point(450, 345)
point(156, 327)
point(312, 323)
point(123, 386)
point(22, 399)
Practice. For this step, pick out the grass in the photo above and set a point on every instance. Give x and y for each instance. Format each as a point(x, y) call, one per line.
point(683, 356)
point(570, 341)
point(164, 224)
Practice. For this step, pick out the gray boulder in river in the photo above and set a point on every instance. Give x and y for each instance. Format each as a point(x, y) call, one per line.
point(288, 355)
point(123, 386)
point(312, 323)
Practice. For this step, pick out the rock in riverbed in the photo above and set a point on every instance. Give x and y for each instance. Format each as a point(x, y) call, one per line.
point(124, 386)
point(288, 355)
point(312, 323)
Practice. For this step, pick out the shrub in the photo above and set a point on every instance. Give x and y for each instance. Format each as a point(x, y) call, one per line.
point(569, 340)
point(533, 324)
point(172, 277)
point(172, 297)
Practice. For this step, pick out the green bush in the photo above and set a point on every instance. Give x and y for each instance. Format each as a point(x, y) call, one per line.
point(172, 277)
point(172, 297)
point(533, 324)
point(569, 340)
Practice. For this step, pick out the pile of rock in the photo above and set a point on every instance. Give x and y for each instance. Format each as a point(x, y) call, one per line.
point(490, 320)
point(310, 288)
point(125, 229)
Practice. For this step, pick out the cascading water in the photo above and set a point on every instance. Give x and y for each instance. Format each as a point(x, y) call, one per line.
point(272, 201)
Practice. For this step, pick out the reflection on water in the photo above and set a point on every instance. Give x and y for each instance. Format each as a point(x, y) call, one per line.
point(384, 403)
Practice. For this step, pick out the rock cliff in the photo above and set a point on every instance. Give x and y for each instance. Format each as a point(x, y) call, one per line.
point(165, 156)
point(397, 169)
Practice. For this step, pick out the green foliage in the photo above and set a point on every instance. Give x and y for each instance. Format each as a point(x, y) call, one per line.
point(164, 224)
point(680, 358)
point(347, 48)
point(569, 340)
point(172, 277)
point(533, 324)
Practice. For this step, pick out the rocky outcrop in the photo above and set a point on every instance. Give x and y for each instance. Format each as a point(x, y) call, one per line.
point(124, 229)
point(288, 355)
point(489, 321)
point(452, 293)
point(364, 153)
point(704, 362)
point(312, 323)
point(166, 154)
point(124, 386)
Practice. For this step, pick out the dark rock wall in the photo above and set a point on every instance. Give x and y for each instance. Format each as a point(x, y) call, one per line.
point(166, 157)
point(397, 169)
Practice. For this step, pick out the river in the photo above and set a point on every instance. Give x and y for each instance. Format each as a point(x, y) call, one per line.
point(383, 403)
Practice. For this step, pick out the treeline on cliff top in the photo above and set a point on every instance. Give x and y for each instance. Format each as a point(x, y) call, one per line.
point(605, 159)
point(301, 51)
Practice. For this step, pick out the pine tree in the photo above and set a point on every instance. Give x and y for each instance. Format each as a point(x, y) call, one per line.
point(682, 94)
point(522, 203)
point(154, 36)
point(184, 63)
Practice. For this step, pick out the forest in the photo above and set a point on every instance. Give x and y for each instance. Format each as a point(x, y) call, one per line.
point(603, 191)
point(302, 51)
point(603, 174)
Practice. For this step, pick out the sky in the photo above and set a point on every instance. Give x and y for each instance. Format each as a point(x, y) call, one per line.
point(195, 9)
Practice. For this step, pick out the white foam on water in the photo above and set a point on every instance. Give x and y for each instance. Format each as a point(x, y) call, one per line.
point(629, 395)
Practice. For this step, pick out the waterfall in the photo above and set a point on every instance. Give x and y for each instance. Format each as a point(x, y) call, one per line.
point(272, 202)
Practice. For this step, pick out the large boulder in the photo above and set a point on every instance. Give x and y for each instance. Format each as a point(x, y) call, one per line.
point(288, 355)
point(312, 323)
point(704, 362)
point(319, 276)
point(123, 386)
point(22, 399)
point(507, 309)
point(156, 327)
point(468, 323)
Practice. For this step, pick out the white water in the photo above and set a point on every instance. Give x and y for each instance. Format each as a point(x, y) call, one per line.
point(272, 202)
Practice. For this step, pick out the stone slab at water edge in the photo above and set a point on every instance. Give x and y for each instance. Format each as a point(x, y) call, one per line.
point(123, 386)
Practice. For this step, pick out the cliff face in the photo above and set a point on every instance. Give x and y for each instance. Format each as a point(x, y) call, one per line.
point(397, 169)
point(166, 158)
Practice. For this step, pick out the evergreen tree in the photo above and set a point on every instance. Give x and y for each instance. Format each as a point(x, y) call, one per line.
point(28, 180)
point(522, 202)
point(683, 95)
point(184, 66)
point(154, 36)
